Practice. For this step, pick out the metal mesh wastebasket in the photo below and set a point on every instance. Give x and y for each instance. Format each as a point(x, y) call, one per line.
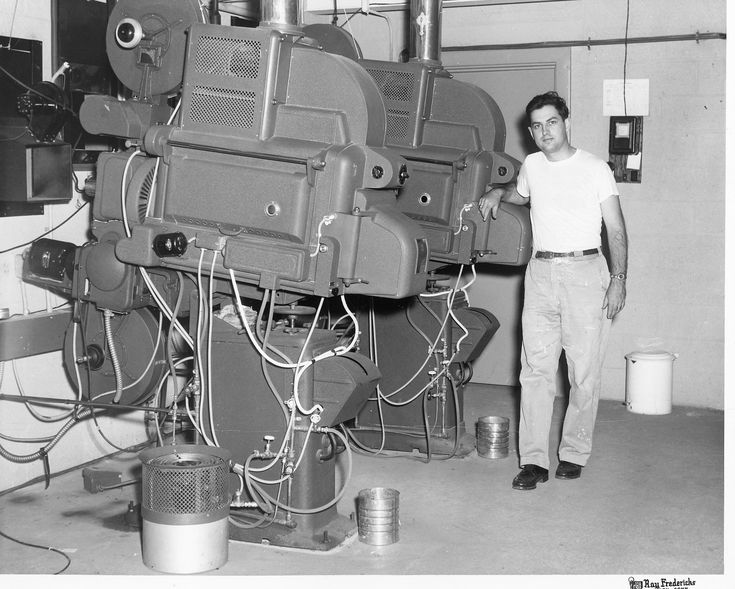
point(185, 506)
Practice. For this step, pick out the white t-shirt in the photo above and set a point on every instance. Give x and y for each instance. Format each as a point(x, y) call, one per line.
point(565, 199)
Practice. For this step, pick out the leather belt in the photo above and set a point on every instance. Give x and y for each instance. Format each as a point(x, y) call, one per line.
point(577, 254)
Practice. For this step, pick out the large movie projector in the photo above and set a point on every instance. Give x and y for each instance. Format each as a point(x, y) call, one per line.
point(257, 174)
point(261, 194)
point(452, 135)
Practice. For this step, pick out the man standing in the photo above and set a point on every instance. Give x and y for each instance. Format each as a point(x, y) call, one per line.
point(570, 295)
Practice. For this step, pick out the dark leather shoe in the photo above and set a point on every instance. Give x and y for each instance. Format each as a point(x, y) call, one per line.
point(528, 477)
point(568, 470)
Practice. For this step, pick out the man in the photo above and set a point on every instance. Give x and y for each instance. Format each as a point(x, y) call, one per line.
point(570, 295)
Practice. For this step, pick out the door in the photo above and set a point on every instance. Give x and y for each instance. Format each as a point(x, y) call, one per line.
point(512, 77)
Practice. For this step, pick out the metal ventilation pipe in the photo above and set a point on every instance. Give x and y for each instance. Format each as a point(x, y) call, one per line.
point(284, 15)
point(248, 10)
point(425, 40)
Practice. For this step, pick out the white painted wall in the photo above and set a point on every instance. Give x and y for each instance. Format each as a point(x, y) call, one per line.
point(676, 216)
point(43, 375)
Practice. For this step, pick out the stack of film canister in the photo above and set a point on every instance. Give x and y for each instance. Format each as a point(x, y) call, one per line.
point(493, 436)
point(378, 520)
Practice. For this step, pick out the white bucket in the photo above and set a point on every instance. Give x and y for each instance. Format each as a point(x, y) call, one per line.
point(649, 382)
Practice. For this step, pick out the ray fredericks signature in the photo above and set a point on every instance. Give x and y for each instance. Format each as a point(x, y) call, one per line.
point(661, 583)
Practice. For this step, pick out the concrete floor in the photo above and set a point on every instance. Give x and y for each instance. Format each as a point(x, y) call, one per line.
point(651, 500)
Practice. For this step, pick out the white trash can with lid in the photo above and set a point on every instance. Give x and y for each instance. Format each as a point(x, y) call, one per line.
point(649, 382)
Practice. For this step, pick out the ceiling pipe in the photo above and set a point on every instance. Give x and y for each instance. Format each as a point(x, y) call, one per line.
point(284, 15)
point(425, 34)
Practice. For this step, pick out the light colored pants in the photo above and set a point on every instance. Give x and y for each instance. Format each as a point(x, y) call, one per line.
point(562, 310)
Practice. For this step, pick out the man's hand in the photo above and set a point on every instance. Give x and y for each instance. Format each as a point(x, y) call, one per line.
point(614, 298)
point(490, 201)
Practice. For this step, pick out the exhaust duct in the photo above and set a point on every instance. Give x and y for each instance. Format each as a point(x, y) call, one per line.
point(284, 15)
point(425, 35)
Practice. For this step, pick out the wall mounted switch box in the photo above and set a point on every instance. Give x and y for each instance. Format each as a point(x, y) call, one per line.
point(626, 148)
point(625, 135)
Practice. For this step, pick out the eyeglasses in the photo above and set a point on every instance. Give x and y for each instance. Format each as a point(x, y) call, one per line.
point(548, 125)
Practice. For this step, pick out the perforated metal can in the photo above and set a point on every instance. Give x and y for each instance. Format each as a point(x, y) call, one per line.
point(185, 505)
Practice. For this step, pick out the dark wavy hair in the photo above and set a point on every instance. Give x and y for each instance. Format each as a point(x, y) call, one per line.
point(550, 98)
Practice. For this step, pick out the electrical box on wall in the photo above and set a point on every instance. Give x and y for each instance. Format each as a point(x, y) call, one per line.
point(626, 102)
point(624, 136)
point(626, 147)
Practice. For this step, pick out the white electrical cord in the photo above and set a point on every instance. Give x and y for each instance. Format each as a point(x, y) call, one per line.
point(365, 9)
point(157, 394)
point(154, 181)
point(281, 450)
point(300, 367)
point(203, 374)
point(336, 352)
point(450, 300)
point(372, 343)
point(165, 308)
point(465, 208)
point(201, 312)
point(337, 497)
point(209, 350)
point(160, 301)
point(305, 366)
point(123, 191)
point(470, 283)
point(326, 220)
point(194, 421)
point(246, 325)
point(285, 477)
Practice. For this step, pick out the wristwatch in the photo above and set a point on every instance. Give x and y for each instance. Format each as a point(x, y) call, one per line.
point(620, 276)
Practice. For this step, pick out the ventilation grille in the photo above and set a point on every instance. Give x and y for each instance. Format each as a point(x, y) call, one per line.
point(398, 123)
point(394, 85)
point(228, 57)
point(144, 196)
point(222, 106)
